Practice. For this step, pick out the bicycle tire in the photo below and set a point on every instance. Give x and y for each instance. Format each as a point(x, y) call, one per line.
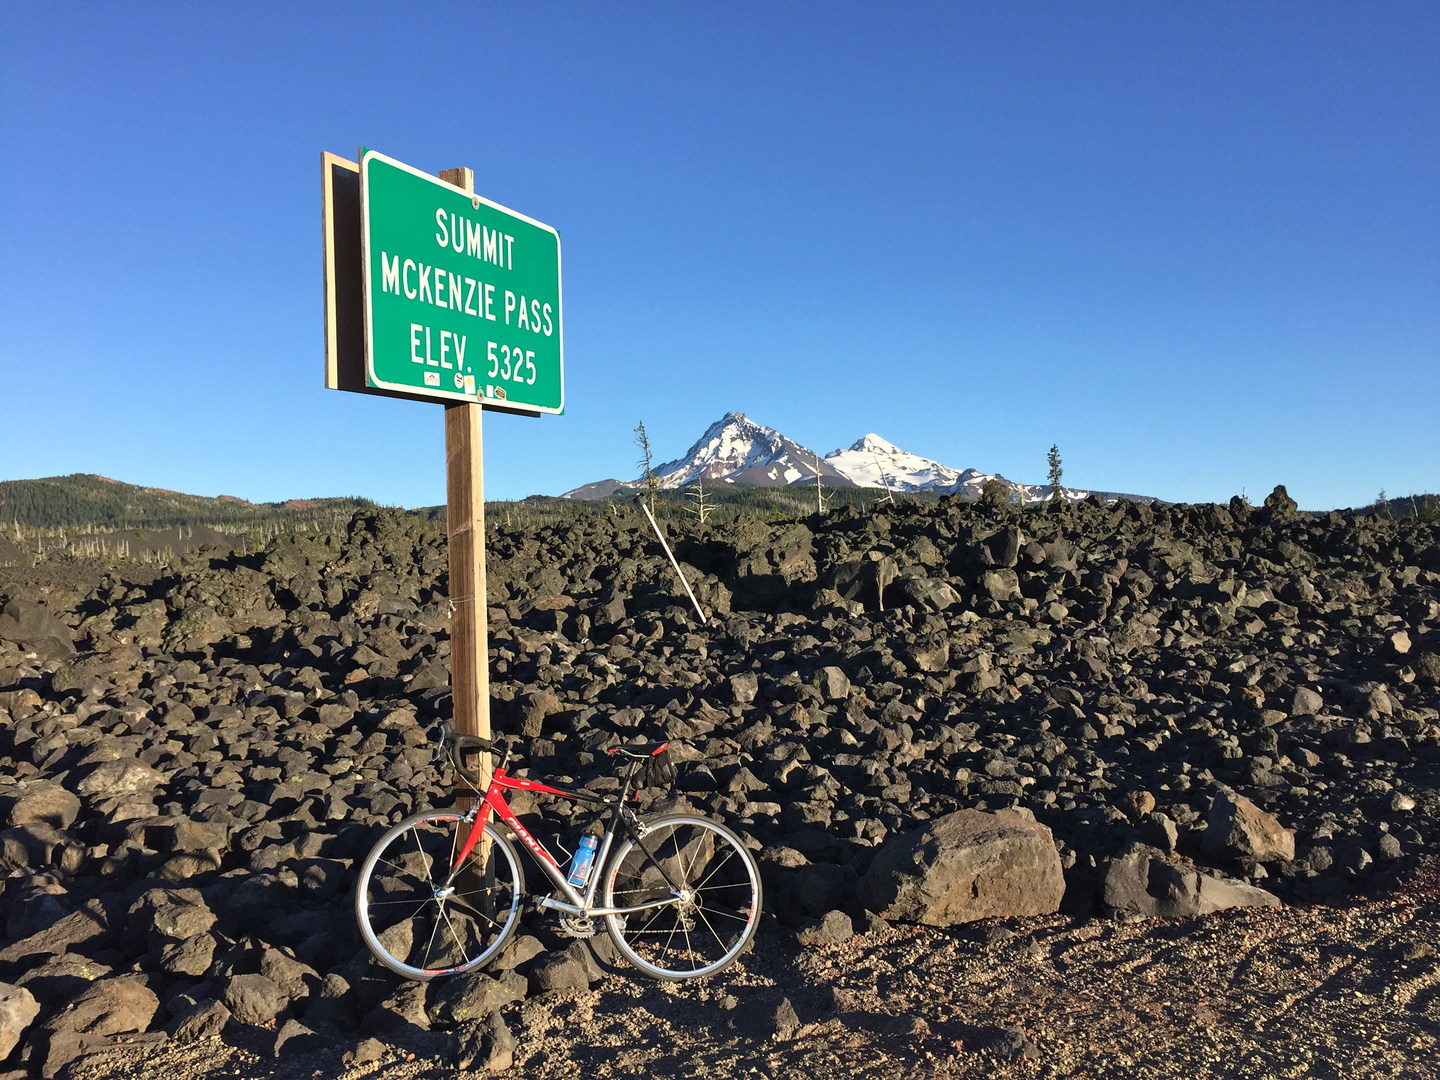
point(417, 926)
point(717, 915)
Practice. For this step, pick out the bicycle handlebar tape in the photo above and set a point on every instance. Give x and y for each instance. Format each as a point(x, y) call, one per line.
point(467, 744)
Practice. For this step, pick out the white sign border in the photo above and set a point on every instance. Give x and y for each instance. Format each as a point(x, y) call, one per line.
point(440, 393)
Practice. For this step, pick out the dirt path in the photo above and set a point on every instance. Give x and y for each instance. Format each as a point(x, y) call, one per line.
point(1349, 991)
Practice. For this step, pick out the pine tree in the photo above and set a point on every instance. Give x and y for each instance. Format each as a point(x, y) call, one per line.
point(1056, 472)
point(652, 482)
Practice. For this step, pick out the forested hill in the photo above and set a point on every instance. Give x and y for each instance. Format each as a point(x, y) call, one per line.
point(86, 501)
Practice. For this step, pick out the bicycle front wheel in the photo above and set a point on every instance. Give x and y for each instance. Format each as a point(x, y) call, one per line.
point(696, 894)
point(422, 915)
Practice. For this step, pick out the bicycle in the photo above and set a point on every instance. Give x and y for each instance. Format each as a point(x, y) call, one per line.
point(441, 892)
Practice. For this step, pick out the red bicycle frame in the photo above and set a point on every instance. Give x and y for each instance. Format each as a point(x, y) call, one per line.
point(494, 803)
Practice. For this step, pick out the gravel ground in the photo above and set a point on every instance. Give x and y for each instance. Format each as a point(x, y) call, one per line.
point(1317, 992)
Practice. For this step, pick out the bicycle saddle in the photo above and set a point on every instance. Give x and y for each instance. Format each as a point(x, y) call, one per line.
point(641, 752)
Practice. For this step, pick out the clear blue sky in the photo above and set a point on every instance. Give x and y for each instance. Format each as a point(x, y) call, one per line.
point(1196, 245)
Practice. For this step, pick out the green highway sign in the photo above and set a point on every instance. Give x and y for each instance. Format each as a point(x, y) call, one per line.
point(462, 296)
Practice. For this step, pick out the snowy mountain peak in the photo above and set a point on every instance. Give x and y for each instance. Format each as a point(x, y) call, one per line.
point(873, 462)
point(737, 450)
point(874, 444)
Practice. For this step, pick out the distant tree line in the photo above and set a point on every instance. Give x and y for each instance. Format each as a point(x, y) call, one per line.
point(82, 501)
point(1423, 507)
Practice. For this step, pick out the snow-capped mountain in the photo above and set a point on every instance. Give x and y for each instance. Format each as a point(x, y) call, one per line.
point(874, 462)
point(736, 450)
point(733, 450)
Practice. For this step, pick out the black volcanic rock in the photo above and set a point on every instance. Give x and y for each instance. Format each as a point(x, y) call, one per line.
point(185, 797)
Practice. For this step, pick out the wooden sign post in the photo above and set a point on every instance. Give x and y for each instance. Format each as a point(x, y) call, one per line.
point(465, 524)
point(434, 293)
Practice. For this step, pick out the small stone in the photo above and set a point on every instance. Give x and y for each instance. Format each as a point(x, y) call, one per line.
point(115, 1006)
point(44, 803)
point(175, 914)
point(254, 999)
point(192, 956)
point(203, 1020)
point(833, 683)
point(469, 997)
point(1011, 1044)
point(1142, 802)
point(744, 687)
point(486, 1046)
point(785, 1022)
point(563, 972)
point(365, 1052)
point(835, 926)
point(295, 1038)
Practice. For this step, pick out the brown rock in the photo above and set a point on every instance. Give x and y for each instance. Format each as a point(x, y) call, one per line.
point(966, 866)
point(1145, 883)
point(1237, 828)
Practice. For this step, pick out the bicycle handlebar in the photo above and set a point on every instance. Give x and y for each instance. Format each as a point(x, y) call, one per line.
point(452, 744)
point(455, 746)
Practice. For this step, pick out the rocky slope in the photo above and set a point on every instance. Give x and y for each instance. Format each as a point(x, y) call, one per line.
point(194, 760)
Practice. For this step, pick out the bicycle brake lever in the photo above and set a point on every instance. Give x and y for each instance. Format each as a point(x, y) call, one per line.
point(442, 738)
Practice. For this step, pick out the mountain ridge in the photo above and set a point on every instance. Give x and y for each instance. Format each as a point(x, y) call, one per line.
point(737, 450)
point(92, 500)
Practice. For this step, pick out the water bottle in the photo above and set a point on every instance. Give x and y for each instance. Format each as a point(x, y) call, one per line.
point(581, 863)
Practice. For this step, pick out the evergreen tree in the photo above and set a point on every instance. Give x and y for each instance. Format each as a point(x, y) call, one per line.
point(652, 482)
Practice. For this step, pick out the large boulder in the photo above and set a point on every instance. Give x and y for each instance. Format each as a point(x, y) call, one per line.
point(39, 802)
point(110, 1007)
point(1143, 882)
point(966, 866)
point(18, 1009)
point(33, 626)
point(1237, 828)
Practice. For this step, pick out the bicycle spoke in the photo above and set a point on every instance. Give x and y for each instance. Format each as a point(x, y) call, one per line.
point(430, 945)
point(722, 914)
point(700, 914)
point(429, 865)
point(712, 871)
point(407, 914)
point(460, 950)
point(684, 938)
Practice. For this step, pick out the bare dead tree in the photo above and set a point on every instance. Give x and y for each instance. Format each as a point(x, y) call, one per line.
point(884, 480)
point(700, 507)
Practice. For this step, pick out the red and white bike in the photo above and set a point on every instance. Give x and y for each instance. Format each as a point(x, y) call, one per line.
point(441, 892)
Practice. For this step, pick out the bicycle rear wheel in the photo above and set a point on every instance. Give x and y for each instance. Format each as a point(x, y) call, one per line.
point(421, 915)
point(699, 891)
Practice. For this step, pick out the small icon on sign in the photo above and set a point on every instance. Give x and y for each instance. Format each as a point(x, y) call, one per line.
point(469, 385)
point(432, 378)
point(489, 391)
point(500, 392)
point(459, 381)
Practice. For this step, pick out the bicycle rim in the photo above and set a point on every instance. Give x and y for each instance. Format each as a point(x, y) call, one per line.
point(701, 928)
point(421, 920)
